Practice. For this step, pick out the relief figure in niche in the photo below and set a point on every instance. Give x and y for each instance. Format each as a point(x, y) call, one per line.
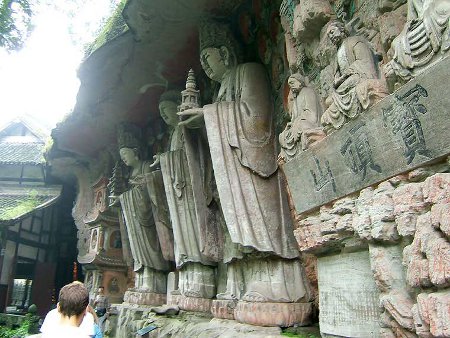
point(357, 82)
point(187, 174)
point(149, 263)
point(242, 142)
point(305, 109)
point(424, 39)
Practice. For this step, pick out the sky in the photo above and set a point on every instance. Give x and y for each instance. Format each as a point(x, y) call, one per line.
point(41, 80)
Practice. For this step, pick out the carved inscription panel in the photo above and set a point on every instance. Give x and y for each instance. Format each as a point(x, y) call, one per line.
point(405, 130)
point(348, 296)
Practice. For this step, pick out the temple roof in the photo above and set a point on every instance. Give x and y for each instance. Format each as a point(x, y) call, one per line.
point(18, 201)
point(125, 74)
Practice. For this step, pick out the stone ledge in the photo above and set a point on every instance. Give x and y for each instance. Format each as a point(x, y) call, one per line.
point(144, 298)
point(273, 314)
point(191, 303)
point(223, 309)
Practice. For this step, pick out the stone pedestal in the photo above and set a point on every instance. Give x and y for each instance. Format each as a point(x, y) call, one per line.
point(191, 303)
point(349, 298)
point(144, 298)
point(223, 309)
point(273, 314)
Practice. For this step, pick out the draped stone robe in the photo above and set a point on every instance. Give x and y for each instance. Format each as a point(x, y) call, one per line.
point(243, 151)
point(187, 183)
point(142, 234)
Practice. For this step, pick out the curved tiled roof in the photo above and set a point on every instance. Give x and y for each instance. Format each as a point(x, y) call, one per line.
point(21, 151)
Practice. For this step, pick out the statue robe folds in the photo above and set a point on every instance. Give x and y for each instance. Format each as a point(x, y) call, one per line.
point(188, 196)
point(142, 234)
point(243, 150)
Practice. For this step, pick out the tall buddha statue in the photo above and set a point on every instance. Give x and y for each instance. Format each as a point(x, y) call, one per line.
point(187, 175)
point(149, 264)
point(240, 130)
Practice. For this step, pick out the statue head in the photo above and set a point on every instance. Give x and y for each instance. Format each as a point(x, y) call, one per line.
point(296, 82)
point(337, 32)
point(219, 50)
point(129, 137)
point(168, 106)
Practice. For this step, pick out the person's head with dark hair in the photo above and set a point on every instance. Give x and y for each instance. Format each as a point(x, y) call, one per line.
point(73, 300)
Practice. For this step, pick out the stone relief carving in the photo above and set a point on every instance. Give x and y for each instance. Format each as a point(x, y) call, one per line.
point(424, 39)
point(305, 109)
point(149, 264)
point(357, 82)
point(242, 143)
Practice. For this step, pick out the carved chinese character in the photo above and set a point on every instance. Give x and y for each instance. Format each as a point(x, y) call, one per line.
point(404, 121)
point(322, 178)
point(357, 152)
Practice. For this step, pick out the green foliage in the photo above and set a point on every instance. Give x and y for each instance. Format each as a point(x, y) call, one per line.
point(15, 23)
point(23, 207)
point(21, 331)
point(299, 335)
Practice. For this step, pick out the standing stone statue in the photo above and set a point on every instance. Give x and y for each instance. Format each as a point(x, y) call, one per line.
point(149, 263)
point(357, 81)
point(243, 151)
point(304, 127)
point(187, 174)
point(424, 39)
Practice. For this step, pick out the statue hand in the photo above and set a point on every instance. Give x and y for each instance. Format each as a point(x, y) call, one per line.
point(191, 118)
point(156, 160)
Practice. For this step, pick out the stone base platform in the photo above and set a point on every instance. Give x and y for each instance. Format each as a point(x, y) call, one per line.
point(273, 314)
point(144, 298)
point(191, 303)
point(223, 309)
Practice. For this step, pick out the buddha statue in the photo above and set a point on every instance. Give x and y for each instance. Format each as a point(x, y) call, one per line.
point(265, 268)
point(148, 261)
point(187, 175)
point(424, 39)
point(305, 109)
point(357, 80)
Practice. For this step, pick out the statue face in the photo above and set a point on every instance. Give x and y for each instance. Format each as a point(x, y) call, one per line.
point(213, 63)
point(336, 34)
point(295, 84)
point(129, 156)
point(168, 111)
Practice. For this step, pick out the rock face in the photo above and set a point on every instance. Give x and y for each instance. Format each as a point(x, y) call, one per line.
point(356, 94)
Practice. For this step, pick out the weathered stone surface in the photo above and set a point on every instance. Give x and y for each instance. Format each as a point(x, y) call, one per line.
point(348, 296)
point(436, 188)
point(440, 218)
point(223, 308)
point(432, 314)
point(190, 325)
point(309, 18)
point(428, 257)
point(191, 303)
point(382, 213)
point(144, 298)
point(326, 171)
point(273, 314)
point(408, 204)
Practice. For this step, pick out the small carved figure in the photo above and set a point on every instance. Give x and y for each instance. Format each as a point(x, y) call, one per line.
point(149, 263)
point(357, 82)
point(304, 127)
point(424, 39)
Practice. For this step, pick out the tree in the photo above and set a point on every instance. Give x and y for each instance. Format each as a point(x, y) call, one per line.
point(15, 23)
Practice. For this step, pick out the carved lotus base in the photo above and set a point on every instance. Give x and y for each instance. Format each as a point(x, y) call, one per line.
point(191, 303)
point(223, 308)
point(144, 298)
point(273, 314)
